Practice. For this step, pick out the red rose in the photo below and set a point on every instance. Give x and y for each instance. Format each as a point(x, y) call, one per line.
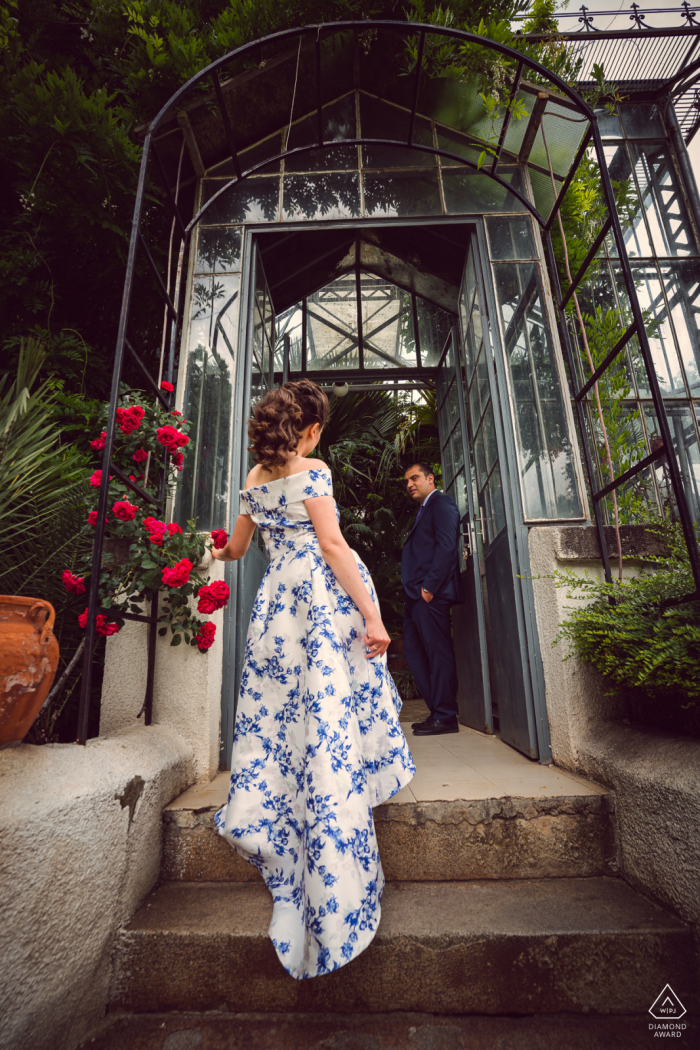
point(92, 519)
point(173, 527)
point(124, 511)
point(220, 538)
point(175, 412)
point(179, 574)
point(165, 385)
point(99, 442)
point(101, 625)
point(178, 459)
point(182, 439)
point(168, 436)
point(212, 596)
point(140, 456)
point(96, 479)
point(73, 584)
point(205, 636)
point(156, 530)
point(129, 419)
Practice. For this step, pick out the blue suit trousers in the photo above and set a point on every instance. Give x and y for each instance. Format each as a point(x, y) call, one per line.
point(427, 645)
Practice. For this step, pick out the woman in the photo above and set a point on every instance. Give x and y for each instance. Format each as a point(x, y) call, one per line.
point(318, 741)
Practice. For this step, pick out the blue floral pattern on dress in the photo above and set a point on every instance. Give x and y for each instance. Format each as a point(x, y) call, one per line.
point(317, 743)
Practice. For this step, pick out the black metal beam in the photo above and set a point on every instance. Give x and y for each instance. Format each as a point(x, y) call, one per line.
point(169, 193)
point(163, 290)
point(230, 141)
point(507, 118)
point(533, 126)
point(416, 89)
point(319, 97)
point(586, 262)
point(147, 375)
point(570, 177)
point(658, 453)
point(608, 360)
point(132, 484)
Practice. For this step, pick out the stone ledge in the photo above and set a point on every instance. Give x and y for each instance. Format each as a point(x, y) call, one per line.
point(580, 543)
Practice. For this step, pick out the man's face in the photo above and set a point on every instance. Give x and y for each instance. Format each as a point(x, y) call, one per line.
point(417, 485)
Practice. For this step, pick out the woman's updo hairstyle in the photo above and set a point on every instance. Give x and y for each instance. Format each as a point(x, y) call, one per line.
point(280, 417)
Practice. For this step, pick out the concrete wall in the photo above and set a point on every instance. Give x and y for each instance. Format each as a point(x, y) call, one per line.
point(653, 773)
point(80, 847)
point(187, 685)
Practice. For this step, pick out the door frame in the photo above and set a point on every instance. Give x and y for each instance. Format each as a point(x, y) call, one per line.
point(233, 631)
point(518, 530)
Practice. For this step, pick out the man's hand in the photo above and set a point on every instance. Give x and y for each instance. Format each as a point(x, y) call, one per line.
point(426, 595)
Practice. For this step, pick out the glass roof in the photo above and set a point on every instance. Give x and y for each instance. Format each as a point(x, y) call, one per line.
point(349, 85)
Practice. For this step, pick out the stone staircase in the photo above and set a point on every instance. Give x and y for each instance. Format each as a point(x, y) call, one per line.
point(510, 905)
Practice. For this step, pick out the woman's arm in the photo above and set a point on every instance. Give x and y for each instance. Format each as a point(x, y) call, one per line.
point(239, 542)
point(321, 510)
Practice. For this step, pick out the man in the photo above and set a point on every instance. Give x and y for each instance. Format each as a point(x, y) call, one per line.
point(430, 573)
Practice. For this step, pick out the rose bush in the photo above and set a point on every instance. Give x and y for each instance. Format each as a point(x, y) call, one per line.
point(160, 554)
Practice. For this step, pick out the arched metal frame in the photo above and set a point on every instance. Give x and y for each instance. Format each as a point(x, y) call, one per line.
point(174, 309)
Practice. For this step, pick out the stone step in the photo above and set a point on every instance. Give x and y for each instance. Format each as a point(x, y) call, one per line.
point(517, 946)
point(513, 838)
point(386, 1031)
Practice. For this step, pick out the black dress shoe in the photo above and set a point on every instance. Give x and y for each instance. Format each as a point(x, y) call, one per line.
point(419, 725)
point(434, 726)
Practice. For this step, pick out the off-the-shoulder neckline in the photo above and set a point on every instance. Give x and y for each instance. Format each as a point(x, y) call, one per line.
point(309, 470)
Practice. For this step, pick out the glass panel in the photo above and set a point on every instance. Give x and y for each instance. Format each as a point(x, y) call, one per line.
point(404, 193)
point(379, 120)
point(328, 196)
point(642, 120)
point(480, 458)
point(490, 438)
point(685, 444)
point(468, 192)
point(433, 329)
point(289, 324)
point(542, 192)
point(663, 203)
point(332, 326)
point(253, 200)
point(609, 124)
point(542, 429)
point(458, 491)
point(251, 158)
point(208, 403)
point(387, 324)
point(511, 238)
point(474, 405)
point(338, 123)
point(682, 284)
point(563, 139)
point(631, 217)
point(663, 350)
point(498, 510)
point(218, 249)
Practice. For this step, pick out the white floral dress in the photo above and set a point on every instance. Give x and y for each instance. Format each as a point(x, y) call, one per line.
point(317, 742)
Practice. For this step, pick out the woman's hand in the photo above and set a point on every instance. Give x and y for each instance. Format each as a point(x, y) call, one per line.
point(376, 637)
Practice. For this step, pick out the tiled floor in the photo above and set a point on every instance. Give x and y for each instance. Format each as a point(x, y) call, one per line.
point(458, 766)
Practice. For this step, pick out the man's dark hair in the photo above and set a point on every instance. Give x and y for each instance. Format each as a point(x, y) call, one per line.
point(423, 467)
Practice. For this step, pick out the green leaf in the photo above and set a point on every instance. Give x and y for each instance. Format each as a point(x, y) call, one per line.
point(176, 639)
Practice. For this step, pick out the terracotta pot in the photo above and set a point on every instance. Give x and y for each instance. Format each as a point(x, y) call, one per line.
point(28, 662)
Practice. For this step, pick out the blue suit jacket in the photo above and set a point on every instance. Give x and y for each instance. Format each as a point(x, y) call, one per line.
point(430, 555)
